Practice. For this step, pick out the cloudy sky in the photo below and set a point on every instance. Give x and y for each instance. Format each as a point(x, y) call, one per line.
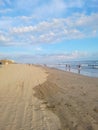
point(42, 31)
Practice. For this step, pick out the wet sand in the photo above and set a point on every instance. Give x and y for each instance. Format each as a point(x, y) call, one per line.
point(39, 98)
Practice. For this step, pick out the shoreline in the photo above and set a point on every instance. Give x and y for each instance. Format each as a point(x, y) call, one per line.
point(73, 72)
point(88, 68)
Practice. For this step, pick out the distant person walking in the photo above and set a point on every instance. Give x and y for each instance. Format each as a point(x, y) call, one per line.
point(69, 67)
point(79, 68)
point(66, 67)
point(0, 64)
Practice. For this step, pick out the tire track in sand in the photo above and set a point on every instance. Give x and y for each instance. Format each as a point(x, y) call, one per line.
point(19, 108)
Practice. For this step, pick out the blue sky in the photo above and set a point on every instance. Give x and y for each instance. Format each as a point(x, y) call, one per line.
point(47, 31)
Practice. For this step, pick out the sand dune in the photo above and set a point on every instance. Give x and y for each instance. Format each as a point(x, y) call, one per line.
point(37, 98)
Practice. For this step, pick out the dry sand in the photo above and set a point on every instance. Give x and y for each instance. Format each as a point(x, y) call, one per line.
point(37, 98)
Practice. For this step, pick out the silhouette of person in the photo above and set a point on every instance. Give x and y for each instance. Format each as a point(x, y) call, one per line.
point(66, 67)
point(69, 67)
point(79, 68)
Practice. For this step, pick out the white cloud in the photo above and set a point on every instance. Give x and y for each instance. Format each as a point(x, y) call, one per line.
point(51, 58)
point(77, 26)
point(74, 27)
point(48, 58)
point(70, 56)
point(4, 39)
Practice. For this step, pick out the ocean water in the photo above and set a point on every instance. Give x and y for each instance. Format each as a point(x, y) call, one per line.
point(88, 68)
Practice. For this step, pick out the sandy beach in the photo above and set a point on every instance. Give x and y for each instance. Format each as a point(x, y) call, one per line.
point(39, 98)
